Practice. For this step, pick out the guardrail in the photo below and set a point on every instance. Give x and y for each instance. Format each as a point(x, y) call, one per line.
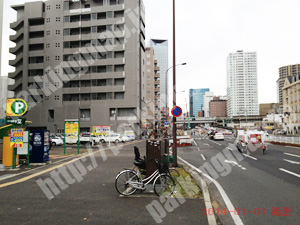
point(284, 139)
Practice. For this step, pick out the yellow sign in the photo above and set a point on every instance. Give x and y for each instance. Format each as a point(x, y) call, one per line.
point(101, 130)
point(72, 128)
point(16, 107)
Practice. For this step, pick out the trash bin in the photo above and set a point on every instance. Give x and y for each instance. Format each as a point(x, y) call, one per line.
point(156, 149)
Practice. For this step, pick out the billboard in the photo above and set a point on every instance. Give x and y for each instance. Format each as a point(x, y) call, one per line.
point(72, 128)
point(101, 130)
point(16, 138)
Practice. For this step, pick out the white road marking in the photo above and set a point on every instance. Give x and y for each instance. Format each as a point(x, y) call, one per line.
point(235, 164)
point(292, 155)
point(295, 174)
point(195, 142)
point(203, 157)
point(229, 148)
point(199, 149)
point(237, 220)
point(251, 157)
point(215, 142)
point(293, 162)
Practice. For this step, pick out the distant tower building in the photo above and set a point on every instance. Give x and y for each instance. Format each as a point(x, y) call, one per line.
point(197, 101)
point(161, 52)
point(286, 71)
point(242, 84)
point(152, 89)
point(208, 96)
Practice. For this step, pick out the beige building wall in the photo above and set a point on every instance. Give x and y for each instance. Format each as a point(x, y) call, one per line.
point(291, 104)
point(152, 89)
point(218, 107)
point(269, 108)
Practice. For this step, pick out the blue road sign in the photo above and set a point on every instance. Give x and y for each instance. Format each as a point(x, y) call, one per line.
point(176, 111)
point(166, 123)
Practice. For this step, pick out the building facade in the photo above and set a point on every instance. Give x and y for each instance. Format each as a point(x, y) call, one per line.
point(152, 89)
point(269, 108)
point(291, 104)
point(80, 60)
point(196, 100)
point(242, 84)
point(208, 96)
point(286, 71)
point(218, 107)
point(161, 51)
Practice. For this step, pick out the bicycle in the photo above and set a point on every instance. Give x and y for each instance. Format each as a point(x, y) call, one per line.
point(129, 181)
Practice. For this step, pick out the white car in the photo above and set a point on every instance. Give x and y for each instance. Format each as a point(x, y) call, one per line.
point(111, 138)
point(56, 140)
point(219, 136)
point(124, 138)
point(85, 138)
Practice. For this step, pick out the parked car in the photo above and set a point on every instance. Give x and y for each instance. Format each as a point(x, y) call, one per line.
point(96, 139)
point(54, 140)
point(113, 137)
point(130, 137)
point(219, 136)
point(124, 138)
point(85, 138)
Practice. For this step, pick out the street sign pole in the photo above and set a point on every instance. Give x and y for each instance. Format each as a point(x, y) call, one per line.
point(65, 138)
point(78, 137)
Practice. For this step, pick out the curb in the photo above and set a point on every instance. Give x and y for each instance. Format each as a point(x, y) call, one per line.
point(202, 184)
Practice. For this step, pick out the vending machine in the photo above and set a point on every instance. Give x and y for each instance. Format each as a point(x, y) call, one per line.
point(40, 146)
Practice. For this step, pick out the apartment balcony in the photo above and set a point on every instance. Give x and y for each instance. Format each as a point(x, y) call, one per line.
point(16, 25)
point(16, 48)
point(17, 35)
point(94, 89)
point(157, 89)
point(15, 85)
point(36, 53)
point(37, 40)
point(16, 72)
point(36, 28)
point(156, 82)
point(36, 66)
point(16, 60)
point(156, 68)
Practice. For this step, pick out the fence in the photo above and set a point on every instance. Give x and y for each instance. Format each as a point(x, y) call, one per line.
point(284, 139)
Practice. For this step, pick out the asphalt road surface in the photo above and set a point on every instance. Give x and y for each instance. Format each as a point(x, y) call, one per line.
point(263, 189)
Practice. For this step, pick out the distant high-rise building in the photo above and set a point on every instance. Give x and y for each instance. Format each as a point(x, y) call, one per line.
point(161, 51)
point(80, 60)
point(242, 84)
point(197, 100)
point(3, 95)
point(152, 89)
point(286, 71)
point(208, 96)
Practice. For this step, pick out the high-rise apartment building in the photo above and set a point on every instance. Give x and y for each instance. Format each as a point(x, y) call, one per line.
point(80, 60)
point(161, 51)
point(196, 100)
point(242, 84)
point(152, 89)
point(286, 71)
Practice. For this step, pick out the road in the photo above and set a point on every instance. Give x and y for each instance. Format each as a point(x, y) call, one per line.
point(258, 183)
point(89, 197)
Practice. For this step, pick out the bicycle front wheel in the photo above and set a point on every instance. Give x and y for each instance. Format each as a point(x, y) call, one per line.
point(164, 185)
point(174, 174)
point(123, 181)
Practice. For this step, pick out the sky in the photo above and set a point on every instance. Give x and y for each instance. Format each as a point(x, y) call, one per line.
point(206, 32)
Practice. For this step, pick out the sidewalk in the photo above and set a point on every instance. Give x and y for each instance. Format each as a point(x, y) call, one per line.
point(94, 200)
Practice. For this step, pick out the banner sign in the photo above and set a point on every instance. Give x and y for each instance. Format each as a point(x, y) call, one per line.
point(101, 130)
point(16, 138)
point(72, 128)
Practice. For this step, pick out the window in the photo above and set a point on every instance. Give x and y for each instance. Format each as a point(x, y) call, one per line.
point(94, 16)
point(87, 6)
point(109, 14)
point(109, 69)
point(94, 42)
point(66, 32)
point(58, 6)
point(109, 55)
point(57, 45)
point(57, 19)
point(57, 58)
point(56, 71)
point(109, 41)
point(56, 97)
point(94, 29)
point(47, 45)
point(119, 95)
point(148, 63)
point(66, 44)
point(47, 58)
point(67, 19)
point(148, 55)
point(66, 5)
point(48, 20)
point(148, 70)
point(48, 32)
point(48, 7)
point(57, 84)
point(109, 28)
